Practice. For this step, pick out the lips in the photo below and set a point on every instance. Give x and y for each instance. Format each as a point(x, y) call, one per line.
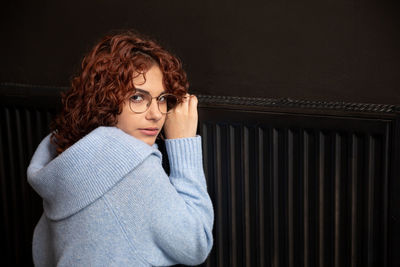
point(149, 131)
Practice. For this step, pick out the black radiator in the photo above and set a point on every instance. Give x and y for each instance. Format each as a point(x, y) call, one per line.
point(293, 183)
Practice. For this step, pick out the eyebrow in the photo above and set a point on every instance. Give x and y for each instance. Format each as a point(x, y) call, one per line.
point(147, 92)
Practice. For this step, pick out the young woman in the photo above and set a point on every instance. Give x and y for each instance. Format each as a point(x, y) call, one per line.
point(107, 200)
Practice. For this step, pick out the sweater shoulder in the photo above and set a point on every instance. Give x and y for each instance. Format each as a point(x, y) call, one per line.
point(85, 171)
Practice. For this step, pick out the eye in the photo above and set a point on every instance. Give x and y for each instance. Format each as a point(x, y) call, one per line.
point(162, 99)
point(137, 98)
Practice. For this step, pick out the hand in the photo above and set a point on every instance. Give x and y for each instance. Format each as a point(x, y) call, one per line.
point(182, 121)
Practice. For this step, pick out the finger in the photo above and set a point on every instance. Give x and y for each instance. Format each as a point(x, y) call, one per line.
point(193, 101)
point(186, 97)
point(185, 102)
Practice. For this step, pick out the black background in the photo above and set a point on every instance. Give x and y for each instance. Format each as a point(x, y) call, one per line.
point(342, 50)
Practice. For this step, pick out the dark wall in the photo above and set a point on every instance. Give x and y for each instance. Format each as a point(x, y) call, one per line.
point(338, 50)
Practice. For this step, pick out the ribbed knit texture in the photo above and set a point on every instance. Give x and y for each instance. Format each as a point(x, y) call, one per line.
point(108, 202)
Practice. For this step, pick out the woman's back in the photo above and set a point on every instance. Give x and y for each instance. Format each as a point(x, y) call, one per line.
point(107, 201)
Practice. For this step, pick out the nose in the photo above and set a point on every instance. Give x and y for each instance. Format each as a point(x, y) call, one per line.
point(153, 113)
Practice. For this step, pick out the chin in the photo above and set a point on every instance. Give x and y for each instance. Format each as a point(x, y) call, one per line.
point(150, 142)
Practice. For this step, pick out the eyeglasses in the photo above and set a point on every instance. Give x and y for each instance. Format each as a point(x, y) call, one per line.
point(141, 101)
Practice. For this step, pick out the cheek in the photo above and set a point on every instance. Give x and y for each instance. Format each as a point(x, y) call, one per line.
point(127, 121)
point(162, 121)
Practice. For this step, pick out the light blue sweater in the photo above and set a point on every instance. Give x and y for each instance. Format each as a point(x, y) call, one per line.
point(108, 202)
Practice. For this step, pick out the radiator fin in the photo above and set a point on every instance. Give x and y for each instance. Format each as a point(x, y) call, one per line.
point(295, 197)
point(20, 133)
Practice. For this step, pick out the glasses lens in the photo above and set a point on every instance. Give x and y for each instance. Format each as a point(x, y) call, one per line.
point(167, 102)
point(139, 102)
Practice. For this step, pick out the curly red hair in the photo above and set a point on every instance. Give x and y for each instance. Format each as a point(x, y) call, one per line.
point(105, 81)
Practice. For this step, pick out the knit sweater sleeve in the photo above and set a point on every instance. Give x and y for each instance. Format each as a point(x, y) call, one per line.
point(167, 220)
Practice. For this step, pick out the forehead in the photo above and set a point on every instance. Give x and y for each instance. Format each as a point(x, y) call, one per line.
point(150, 81)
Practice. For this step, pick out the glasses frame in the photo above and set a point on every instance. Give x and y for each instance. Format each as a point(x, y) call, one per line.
point(151, 101)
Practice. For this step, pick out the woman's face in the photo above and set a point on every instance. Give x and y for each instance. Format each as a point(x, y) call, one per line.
point(147, 125)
